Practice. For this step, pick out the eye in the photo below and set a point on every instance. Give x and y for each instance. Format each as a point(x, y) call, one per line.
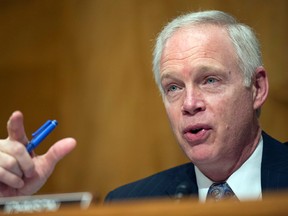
point(211, 80)
point(172, 88)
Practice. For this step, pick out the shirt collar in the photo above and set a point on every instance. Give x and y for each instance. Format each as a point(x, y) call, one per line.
point(245, 181)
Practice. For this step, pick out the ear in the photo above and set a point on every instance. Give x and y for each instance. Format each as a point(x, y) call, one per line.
point(260, 87)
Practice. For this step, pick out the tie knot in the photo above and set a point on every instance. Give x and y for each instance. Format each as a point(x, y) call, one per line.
point(220, 191)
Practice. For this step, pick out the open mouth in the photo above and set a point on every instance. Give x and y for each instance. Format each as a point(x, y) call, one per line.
point(195, 131)
point(196, 134)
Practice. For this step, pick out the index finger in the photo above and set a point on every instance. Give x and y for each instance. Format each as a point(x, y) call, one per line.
point(15, 128)
point(16, 132)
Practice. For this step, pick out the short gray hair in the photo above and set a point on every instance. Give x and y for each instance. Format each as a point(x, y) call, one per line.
point(242, 36)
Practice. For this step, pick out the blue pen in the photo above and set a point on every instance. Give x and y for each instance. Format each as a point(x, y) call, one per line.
point(41, 134)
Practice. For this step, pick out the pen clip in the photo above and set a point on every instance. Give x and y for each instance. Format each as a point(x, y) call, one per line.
point(42, 128)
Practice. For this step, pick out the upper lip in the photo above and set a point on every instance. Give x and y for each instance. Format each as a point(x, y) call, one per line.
point(196, 127)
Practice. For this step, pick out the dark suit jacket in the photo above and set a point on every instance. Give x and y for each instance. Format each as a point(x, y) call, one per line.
point(274, 176)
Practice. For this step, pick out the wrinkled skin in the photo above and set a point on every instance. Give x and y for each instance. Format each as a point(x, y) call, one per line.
point(211, 112)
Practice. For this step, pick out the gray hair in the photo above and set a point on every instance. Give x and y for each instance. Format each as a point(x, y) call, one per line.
point(242, 36)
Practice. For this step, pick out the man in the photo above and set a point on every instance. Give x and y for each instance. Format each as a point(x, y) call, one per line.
point(209, 70)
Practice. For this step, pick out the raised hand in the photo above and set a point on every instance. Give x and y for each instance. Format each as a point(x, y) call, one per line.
point(20, 172)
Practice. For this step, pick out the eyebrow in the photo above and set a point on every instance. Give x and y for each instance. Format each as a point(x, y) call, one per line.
point(169, 75)
point(201, 69)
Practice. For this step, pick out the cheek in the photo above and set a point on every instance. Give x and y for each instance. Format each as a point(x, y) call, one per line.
point(243, 105)
point(173, 114)
point(236, 112)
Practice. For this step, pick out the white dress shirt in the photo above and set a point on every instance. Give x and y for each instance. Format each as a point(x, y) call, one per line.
point(245, 181)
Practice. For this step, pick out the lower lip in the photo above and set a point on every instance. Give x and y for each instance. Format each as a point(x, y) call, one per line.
point(197, 138)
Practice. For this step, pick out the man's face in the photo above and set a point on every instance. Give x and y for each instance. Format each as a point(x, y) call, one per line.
point(209, 108)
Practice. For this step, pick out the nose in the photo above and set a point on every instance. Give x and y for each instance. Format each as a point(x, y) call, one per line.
point(193, 103)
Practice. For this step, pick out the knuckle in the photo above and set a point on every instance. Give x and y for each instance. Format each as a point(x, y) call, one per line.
point(10, 179)
point(2, 173)
point(18, 150)
point(10, 163)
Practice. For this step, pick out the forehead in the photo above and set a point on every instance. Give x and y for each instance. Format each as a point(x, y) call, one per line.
point(199, 41)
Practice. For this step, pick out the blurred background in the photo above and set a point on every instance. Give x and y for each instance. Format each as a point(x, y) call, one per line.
point(87, 63)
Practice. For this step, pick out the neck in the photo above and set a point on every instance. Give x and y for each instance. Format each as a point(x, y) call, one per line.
point(221, 170)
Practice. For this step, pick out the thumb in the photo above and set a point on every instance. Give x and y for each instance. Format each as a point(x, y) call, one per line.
point(59, 150)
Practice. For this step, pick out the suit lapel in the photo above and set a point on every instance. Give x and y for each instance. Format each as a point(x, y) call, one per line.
point(274, 170)
point(183, 177)
point(274, 167)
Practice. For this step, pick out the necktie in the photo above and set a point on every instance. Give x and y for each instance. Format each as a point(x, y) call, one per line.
point(220, 191)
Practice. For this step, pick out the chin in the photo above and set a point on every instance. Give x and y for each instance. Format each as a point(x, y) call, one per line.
point(197, 160)
point(199, 154)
